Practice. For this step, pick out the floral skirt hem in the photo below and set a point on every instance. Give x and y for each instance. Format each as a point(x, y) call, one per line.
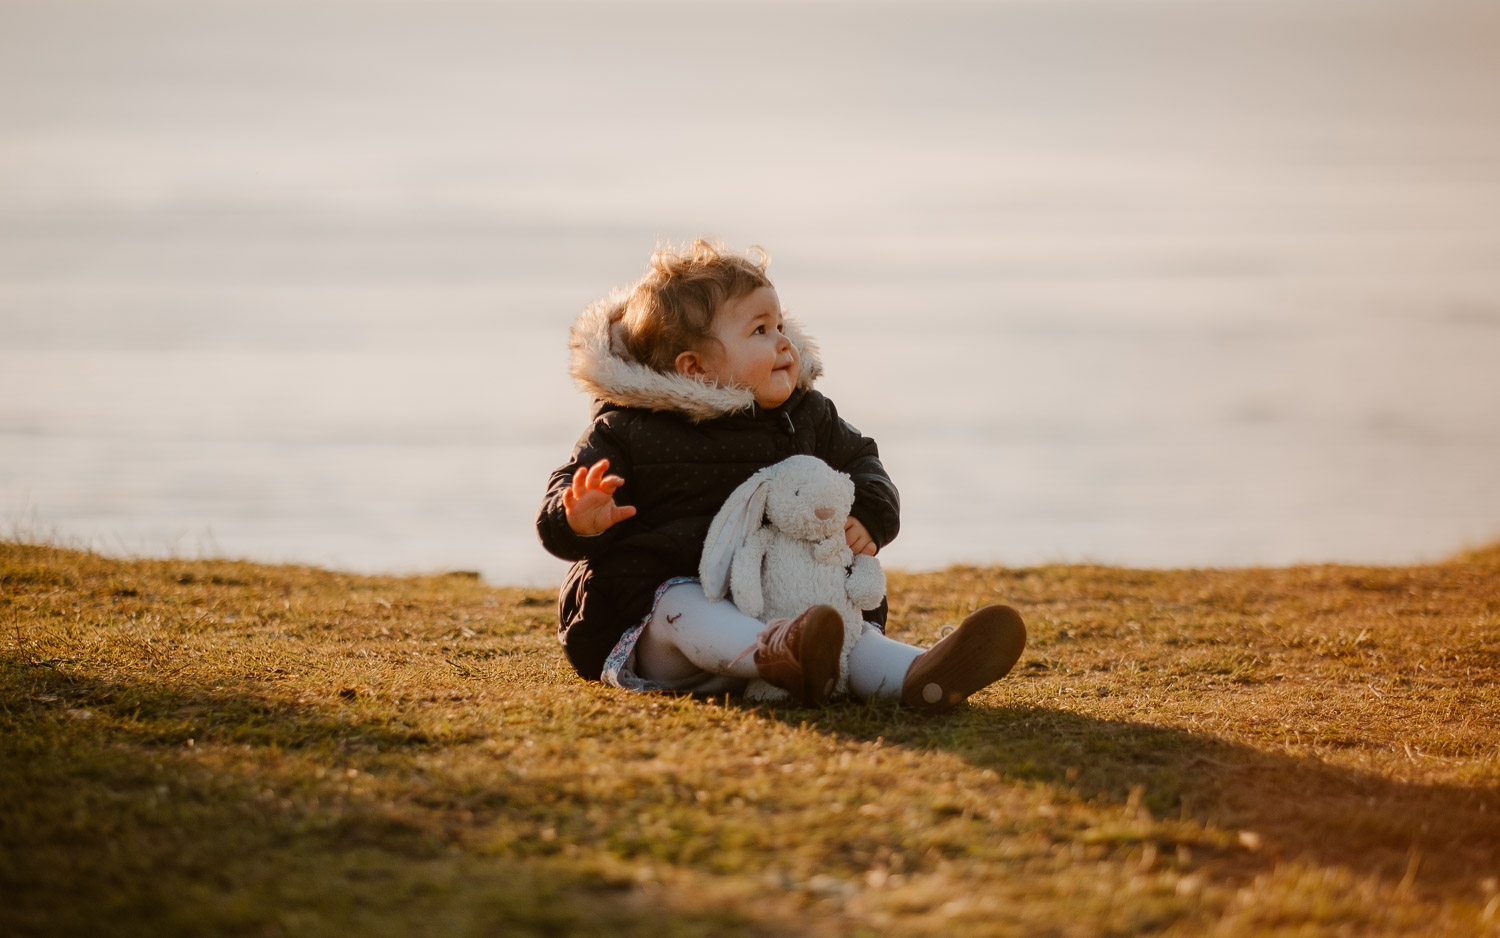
point(619, 667)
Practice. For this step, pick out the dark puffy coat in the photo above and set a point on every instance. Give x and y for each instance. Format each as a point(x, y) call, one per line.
point(682, 447)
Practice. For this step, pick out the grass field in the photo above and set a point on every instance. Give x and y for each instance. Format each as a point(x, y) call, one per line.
point(201, 747)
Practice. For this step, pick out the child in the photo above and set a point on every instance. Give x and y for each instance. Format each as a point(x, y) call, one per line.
point(698, 381)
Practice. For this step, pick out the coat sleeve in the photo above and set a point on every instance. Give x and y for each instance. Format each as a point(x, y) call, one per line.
point(600, 441)
point(877, 504)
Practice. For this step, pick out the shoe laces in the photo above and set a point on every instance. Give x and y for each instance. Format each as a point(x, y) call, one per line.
point(779, 639)
point(774, 640)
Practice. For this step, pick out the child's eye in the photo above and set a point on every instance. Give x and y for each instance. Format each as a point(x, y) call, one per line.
point(759, 330)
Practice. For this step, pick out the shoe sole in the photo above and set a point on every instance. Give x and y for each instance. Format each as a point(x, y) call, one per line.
point(822, 646)
point(985, 647)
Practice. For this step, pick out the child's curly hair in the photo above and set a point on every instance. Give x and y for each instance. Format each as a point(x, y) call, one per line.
point(672, 308)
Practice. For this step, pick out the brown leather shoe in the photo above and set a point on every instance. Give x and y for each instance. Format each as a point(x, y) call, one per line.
point(801, 655)
point(978, 653)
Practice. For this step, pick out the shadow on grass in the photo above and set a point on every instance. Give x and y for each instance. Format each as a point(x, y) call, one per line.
point(81, 762)
point(1440, 839)
point(179, 810)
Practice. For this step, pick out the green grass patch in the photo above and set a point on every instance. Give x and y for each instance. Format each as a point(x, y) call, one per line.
point(207, 747)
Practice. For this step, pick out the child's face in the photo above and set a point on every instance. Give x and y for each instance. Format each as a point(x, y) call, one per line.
point(753, 350)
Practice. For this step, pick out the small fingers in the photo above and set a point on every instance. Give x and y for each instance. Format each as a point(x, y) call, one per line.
point(596, 472)
point(858, 536)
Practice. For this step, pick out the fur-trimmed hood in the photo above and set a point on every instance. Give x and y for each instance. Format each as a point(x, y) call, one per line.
point(603, 368)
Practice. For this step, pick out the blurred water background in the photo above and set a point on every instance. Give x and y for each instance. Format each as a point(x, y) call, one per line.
point(1140, 282)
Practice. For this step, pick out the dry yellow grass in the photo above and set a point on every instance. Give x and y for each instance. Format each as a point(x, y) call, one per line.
point(227, 748)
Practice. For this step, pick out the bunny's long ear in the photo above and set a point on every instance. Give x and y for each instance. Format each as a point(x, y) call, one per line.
point(731, 527)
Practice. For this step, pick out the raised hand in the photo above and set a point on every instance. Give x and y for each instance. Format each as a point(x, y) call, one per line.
point(589, 502)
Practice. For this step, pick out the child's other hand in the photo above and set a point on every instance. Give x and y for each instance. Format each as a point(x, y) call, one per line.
point(589, 502)
point(858, 538)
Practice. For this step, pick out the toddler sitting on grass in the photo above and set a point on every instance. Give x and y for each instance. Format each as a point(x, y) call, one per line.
point(698, 381)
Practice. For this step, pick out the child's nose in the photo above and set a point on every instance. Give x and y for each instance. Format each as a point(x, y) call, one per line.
point(824, 513)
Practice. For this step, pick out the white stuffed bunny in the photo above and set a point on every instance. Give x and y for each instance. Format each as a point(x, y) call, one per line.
point(777, 546)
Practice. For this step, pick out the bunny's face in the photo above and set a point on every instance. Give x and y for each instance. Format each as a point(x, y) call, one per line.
point(808, 499)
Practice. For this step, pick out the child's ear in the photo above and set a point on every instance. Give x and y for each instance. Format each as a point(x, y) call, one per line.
point(690, 364)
